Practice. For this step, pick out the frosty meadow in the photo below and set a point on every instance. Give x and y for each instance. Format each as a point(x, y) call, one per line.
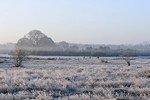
point(72, 72)
point(74, 49)
point(75, 78)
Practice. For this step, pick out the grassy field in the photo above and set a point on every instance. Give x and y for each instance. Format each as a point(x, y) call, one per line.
point(75, 78)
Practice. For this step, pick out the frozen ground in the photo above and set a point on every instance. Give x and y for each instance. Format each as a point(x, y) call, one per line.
point(75, 78)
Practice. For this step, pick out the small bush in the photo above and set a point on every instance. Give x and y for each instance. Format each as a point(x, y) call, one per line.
point(104, 61)
point(19, 57)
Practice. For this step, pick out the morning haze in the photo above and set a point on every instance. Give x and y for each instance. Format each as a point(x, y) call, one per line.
point(77, 21)
point(74, 49)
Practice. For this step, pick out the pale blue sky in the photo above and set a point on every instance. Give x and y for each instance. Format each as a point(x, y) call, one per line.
point(77, 21)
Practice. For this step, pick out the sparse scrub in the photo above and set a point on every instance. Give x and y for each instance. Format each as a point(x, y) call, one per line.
point(104, 61)
point(75, 79)
point(97, 57)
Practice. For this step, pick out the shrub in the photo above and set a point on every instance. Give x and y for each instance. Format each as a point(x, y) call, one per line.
point(19, 57)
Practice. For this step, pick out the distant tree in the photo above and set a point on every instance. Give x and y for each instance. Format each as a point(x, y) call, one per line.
point(127, 57)
point(19, 56)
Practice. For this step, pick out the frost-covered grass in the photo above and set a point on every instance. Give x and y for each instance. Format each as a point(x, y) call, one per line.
point(76, 78)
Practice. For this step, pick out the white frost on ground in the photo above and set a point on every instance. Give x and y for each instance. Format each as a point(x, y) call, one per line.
point(76, 78)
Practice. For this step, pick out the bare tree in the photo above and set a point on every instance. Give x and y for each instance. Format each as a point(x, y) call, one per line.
point(19, 57)
point(127, 57)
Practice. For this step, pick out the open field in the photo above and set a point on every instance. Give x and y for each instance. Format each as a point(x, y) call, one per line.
point(75, 78)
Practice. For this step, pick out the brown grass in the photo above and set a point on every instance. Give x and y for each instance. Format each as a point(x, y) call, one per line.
point(144, 73)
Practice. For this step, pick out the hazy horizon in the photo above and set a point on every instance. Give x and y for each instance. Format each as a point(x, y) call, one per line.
point(80, 21)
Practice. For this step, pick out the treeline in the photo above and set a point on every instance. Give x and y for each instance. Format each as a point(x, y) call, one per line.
point(89, 51)
point(80, 53)
point(77, 53)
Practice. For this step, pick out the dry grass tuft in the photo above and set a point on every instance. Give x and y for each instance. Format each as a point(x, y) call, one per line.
point(144, 73)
